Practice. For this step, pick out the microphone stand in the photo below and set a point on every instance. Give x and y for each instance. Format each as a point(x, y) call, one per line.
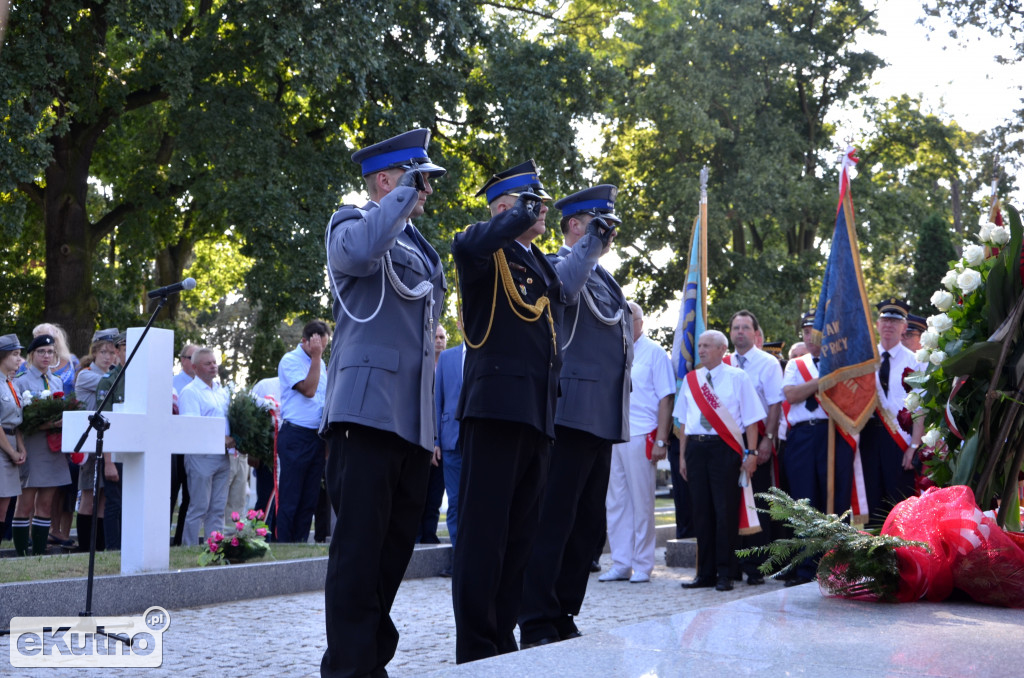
point(98, 422)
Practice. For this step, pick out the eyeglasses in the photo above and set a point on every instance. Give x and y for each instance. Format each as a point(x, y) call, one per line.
point(186, 357)
point(45, 351)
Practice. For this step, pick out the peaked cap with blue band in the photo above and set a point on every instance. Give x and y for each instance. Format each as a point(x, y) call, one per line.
point(597, 200)
point(513, 181)
point(400, 151)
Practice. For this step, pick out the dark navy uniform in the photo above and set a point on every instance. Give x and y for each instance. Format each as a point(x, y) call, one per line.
point(513, 304)
point(591, 414)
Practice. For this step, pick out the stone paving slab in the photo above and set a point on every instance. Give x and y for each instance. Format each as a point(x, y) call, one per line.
point(284, 635)
point(785, 632)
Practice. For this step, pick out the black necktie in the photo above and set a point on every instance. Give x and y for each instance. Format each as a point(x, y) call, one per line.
point(812, 401)
point(883, 373)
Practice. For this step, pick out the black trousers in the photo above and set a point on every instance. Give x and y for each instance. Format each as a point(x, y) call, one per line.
point(571, 522)
point(377, 482)
point(504, 465)
point(179, 479)
point(432, 509)
point(886, 483)
point(680, 492)
point(713, 472)
point(806, 463)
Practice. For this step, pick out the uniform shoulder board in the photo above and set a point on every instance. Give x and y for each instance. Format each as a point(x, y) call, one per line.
point(344, 213)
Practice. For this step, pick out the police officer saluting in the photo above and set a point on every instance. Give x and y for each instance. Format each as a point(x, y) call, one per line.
point(513, 302)
point(591, 414)
point(378, 414)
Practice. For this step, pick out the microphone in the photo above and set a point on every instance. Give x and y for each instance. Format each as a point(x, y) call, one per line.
point(186, 284)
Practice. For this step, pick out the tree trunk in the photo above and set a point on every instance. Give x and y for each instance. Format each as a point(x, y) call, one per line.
point(68, 295)
point(739, 237)
point(170, 266)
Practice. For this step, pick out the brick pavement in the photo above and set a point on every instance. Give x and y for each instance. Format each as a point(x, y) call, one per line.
point(284, 636)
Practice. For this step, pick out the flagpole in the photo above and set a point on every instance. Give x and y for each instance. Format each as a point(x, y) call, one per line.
point(704, 237)
point(830, 505)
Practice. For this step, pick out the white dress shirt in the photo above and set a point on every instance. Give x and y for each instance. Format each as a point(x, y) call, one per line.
point(734, 391)
point(900, 358)
point(798, 412)
point(652, 379)
point(199, 400)
point(765, 374)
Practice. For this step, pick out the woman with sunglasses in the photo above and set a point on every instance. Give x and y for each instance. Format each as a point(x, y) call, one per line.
point(13, 454)
point(43, 471)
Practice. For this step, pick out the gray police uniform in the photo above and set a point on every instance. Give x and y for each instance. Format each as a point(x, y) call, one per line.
point(42, 468)
point(378, 419)
point(592, 413)
point(10, 417)
point(85, 391)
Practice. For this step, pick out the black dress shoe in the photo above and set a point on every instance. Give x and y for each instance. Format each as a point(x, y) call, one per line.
point(797, 581)
point(724, 584)
point(699, 583)
point(754, 580)
point(538, 642)
point(595, 566)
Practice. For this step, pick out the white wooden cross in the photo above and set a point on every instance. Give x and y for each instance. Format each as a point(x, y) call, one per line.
point(144, 433)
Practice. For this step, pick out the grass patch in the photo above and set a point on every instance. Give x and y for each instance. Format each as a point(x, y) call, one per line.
point(75, 565)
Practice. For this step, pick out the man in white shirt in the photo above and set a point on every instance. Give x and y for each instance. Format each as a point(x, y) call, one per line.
point(887, 451)
point(208, 474)
point(630, 500)
point(179, 477)
point(766, 376)
point(715, 401)
point(302, 377)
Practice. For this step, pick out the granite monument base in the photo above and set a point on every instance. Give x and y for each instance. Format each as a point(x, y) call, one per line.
point(790, 632)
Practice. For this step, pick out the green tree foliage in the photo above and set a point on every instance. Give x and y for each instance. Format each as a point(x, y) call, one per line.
point(931, 262)
point(744, 88)
point(134, 132)
point(917, 166)
point(144, 141)
point(1001, 18)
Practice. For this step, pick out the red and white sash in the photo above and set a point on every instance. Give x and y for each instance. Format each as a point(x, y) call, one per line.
point(727, 429)
point(858, 494)
point(892, 428)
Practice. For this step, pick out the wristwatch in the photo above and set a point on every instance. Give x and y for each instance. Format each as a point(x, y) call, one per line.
point(659, 443)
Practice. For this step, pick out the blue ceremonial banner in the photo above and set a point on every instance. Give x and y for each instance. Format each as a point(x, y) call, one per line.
point(692, 310)
point(843, 325)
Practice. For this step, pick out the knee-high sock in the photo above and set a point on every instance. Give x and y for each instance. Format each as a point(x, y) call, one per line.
point(3, 530)
point(19, 533)
point(101, 539)
point(83, 521)
point(40, 533)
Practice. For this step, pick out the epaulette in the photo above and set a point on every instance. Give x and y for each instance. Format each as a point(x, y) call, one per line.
point(344, 213)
